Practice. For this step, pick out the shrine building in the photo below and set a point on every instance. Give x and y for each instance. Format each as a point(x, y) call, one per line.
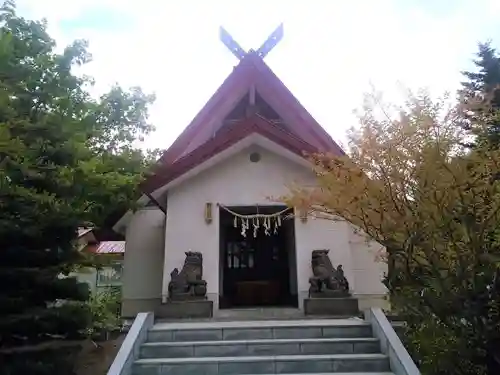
point(209, 195)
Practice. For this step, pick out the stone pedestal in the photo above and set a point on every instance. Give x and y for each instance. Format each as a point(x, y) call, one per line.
point(193, 309)
point(331, 306)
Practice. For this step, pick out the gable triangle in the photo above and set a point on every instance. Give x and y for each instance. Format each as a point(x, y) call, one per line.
point(277, 101)
point(251, 104)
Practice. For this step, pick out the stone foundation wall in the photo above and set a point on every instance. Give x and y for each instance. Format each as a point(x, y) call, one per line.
point(372, 300)
point(133, 306)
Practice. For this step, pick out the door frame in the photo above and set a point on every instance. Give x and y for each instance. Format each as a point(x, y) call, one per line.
point(289, 242)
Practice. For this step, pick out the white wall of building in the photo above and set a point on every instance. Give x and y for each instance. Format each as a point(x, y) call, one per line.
point(143, 261)
point(239, 182)
point(367, 270)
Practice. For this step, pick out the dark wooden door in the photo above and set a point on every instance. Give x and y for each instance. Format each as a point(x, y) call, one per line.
point(256, 269)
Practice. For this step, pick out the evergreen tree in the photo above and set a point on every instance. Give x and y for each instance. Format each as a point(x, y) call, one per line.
point(481, 96)
point(65, 159)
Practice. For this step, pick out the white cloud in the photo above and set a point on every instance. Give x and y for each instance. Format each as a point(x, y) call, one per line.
point(330, 52)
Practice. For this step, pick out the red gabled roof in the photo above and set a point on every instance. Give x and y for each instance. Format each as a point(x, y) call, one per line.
point(203, 132)
point(107, 247)
point(285, 103)
point(239, 77)
point(223, 140)
point(111, 247)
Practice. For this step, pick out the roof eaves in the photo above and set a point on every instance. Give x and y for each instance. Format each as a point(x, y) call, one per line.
point(225, 139)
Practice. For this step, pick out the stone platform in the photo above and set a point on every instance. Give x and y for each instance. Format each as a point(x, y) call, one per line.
point(185, 309)
point(334, 306)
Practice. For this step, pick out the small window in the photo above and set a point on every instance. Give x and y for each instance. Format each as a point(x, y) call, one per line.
point(239, 255)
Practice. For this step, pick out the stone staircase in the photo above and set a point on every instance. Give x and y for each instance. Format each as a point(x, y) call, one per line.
point(333, 346)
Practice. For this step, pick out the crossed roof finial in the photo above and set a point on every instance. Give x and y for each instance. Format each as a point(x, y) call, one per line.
point(263, 50)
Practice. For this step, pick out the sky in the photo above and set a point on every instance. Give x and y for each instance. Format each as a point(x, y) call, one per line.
point(332, 51)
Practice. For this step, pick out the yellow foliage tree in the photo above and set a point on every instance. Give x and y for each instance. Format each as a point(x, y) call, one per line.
point(434, 206)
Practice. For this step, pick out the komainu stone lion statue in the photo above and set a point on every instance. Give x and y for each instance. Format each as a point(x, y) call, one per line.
point(326, 281)
point(189, 283)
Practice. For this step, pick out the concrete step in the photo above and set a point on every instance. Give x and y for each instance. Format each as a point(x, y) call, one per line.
point(289, 364)
point(259, 347)
point(330, 373)
point(338, 373)
point(258, 330)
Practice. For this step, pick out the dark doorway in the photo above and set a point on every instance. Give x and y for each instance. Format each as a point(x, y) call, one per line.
point(257, 270)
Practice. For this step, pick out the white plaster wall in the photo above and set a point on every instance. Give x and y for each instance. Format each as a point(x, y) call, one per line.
point(238, 182)
point(143, 258)
point(367, 270)
point(322, 234)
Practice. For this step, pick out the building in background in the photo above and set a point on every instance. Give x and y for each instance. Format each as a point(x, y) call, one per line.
point(108, 253)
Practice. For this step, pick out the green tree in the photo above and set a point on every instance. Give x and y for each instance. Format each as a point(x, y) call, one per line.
point(480, 94)
point(65, 159)
point(105, 313)
point(433, 206)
